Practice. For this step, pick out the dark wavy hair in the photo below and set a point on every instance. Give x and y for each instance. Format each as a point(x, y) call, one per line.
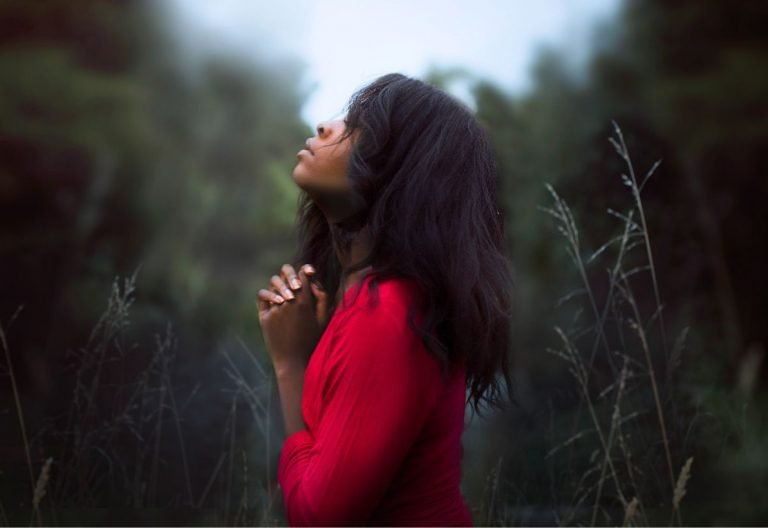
point(425, 170)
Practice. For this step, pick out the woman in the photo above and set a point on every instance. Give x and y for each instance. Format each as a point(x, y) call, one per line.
point(408, 305)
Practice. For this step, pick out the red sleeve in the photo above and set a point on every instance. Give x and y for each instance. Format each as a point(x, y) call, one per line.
point(379, 388)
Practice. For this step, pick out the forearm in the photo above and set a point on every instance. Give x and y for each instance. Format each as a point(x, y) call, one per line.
point(290, 383)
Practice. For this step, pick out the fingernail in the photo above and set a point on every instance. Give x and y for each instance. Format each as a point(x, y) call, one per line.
point(296, 283)
point(279, 299)
point(310, 268)
point(287, 294)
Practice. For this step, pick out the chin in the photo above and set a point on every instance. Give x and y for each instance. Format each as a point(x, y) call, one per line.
point(299, 178)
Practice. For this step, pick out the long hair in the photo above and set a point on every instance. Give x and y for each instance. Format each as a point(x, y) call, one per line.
point(425, 170)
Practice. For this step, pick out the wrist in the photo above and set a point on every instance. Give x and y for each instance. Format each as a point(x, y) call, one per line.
point(290, 368)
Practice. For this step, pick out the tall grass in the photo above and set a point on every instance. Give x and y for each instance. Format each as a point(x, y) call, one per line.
point(19, 415)
point(623, 468)
point(125, 442)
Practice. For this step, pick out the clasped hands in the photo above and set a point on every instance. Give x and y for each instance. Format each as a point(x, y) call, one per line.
point(293, 314)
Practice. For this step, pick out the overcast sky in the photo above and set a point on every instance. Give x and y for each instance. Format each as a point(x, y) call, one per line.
point(346, 43)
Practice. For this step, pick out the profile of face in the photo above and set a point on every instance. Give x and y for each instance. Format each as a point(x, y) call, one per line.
point(321, 171)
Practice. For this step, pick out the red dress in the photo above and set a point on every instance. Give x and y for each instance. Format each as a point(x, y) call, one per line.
point(383, 439)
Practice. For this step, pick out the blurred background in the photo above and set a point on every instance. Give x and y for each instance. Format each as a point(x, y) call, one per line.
point(146, 151)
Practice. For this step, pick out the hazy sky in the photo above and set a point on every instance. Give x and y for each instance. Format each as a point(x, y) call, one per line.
point(346, 43)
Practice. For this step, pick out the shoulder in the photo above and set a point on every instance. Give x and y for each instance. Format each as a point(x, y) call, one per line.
point(372, 334)
point(378, 309)
point(372, 330)
point(381, 298)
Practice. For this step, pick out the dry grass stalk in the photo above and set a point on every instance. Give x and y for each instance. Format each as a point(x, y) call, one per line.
point(677, 353)
point(615, 421)
point(567, 442)
point(42, 483)
point(567, 226)
point(682, 482)
point(17, 401)
point(579, 371)
point(493, 482)
point(168, 344)
point(637, 325)
point(630, 511)
point(631, 182)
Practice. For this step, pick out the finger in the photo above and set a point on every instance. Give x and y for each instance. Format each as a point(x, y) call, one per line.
point(290, 276)
point(304, 278)
point(267, 298)
point(308, 269)
point(318, 291)
point(321, 308)
point(280, 288)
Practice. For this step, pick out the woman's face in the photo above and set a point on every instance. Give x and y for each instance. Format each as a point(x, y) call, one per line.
point(321, 171)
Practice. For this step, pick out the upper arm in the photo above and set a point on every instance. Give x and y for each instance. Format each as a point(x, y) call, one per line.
point(379, 388)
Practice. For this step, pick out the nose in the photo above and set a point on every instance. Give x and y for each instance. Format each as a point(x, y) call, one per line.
point(330, 127)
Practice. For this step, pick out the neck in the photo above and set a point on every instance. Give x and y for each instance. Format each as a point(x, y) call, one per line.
point(358, 250)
